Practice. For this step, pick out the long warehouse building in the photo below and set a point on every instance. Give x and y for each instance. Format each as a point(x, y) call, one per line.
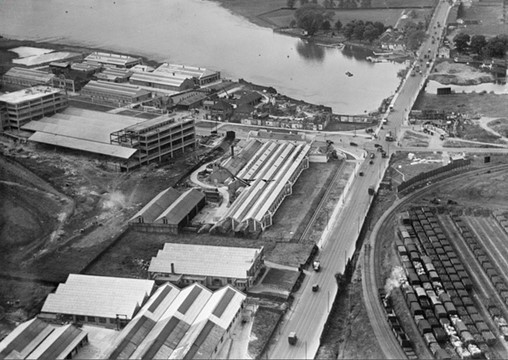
point(271, 172)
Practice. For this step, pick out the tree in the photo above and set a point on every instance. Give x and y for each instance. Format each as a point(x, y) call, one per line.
point(291, 4)
point(496, 46)
point(328, 4)
point(338, 25)
point(461, 41)
point(349, 30)
point(477, 44)
point(380, 27)
point(303, 2)
point(326, 25)
point(310, 17)
point(370, 33)
point(359, 28)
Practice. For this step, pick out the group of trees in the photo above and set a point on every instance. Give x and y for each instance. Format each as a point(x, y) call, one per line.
point(313, 17)
point(479, 45)
point(414, 34)
point(360, 30)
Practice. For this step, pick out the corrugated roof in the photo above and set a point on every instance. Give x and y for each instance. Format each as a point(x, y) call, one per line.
point(205, 260)
point(159, 78)
point(32, 93)
point(185, 70)
point(116, 151)
point(177, 211)
point(133, 335)
point(99, 296)
point(108, 58)
point(36, 339)
point(121, 89)
point(86, 66)
point(193, 335)
point(157, 205)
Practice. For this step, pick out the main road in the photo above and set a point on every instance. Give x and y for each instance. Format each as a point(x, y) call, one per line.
point(309, 313)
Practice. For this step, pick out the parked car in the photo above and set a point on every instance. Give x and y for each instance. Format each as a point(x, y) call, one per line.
point(315, 287)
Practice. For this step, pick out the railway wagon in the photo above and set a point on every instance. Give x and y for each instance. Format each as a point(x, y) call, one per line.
point(450, 308)
point(482, 326)
point(429, 339)
point(466, 337)
point(440, 311)
point(424, 326)
point(489, 337)
point(442, 354)
point(440, 335)
point(416, 309)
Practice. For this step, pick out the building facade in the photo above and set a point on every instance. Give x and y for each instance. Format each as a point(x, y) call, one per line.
point(106, 92)
point(20, 107)
point(164, 136)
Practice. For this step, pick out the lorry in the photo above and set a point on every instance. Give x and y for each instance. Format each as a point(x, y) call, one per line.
point(316, 265)
point(371, 190)
point(292, 339)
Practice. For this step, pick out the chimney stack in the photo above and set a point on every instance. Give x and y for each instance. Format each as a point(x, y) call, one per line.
point(172, 268)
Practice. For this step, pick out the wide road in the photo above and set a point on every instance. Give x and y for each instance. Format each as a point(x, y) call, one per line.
point(308, 314)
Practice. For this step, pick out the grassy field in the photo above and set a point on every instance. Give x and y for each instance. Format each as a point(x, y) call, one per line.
point(491, 105)
point(490, 16)
point(412, 138)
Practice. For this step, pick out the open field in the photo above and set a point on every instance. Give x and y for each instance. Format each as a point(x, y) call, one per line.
point(490, 17)
point(490, 105)
point(412, 138)
point(291, 219)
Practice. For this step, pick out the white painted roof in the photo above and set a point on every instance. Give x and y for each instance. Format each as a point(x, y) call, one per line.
point(32, 93)
point(205, 260)
point(45, 58)
point(99, 296)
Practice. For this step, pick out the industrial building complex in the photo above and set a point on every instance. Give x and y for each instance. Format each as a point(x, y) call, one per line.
point(212, 266)
point(267, 178)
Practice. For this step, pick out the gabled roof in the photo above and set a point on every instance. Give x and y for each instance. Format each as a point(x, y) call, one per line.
point(205, 260)
point(36, 339)
point(100, 296)
point(116, 89)
point(39, 76)
point(151, 211)
point(177, 211)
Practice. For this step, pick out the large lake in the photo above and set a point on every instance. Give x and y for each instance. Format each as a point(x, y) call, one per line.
point(199, 32)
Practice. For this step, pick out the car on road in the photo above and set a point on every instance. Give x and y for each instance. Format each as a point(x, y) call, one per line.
point(360, 173)
point(378, 145)
point(316, 265)
point(292, 339)
point(315, 287)
point(353, 144)
point(371, 162)
point(372, 155)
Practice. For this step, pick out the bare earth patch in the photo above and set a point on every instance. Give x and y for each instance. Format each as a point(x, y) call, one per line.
point(448, 72)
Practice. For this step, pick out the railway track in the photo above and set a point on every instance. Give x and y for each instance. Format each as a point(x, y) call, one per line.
point(372, 278)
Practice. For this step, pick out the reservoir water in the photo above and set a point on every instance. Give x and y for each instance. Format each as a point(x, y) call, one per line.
point(201, 33)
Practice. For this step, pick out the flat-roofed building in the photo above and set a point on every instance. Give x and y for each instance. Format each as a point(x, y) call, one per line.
point(37, 339)
point(162, 137)
point(106, 92)
point(169, 211)
point(20, 107)
point(200, 75)
point(212, 266)
point(113, 60)
point(191, 323)
point(43, 59)
point(100, 300)
point(162, 80)
point(19, 78)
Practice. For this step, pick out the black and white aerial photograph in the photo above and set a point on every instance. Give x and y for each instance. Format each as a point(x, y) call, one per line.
point(253, 179)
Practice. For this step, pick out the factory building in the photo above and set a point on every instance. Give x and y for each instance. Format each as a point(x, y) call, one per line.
point(169, 211)
point(267, 178)
point(191, 323)
point(20, 107)
point(201, 76)
point(19, 78)
point(37, 339)
point(106, 92)
point(113, 60)
point(211, 266)
point(158, 138)
point(172, 82)
point(117, 75)
point(98, 300)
